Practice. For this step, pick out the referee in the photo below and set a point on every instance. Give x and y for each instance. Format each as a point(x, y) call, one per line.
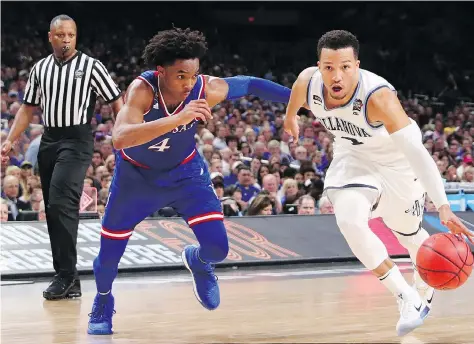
point(65, 85)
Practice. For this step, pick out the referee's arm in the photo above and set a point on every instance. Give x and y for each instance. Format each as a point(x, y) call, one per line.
point(104, 86)
point(25, 114)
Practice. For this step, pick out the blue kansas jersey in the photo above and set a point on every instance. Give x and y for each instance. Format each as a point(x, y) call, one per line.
point(172, 149)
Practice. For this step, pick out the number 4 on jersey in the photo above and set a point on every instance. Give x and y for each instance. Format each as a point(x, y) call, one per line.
point(160, 146)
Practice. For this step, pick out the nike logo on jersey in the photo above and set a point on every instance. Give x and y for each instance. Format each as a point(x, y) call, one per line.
point(338, 124)
point(353, 141)
point(156, 106)
point(419, 307)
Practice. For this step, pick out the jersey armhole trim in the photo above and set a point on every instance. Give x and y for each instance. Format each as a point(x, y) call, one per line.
point(372, 91)
point(308, 90)
point(152, 89)
point(202, 91)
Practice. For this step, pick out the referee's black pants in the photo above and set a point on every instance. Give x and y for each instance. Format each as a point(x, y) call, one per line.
point(63, 158)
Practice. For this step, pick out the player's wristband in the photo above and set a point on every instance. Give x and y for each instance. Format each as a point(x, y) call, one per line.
point(409, 141)
point(240, 86)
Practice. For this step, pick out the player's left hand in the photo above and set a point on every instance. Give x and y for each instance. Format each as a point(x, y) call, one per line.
point(292, 127)
point(453, 223)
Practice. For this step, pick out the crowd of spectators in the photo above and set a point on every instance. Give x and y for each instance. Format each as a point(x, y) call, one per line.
point(255, 168)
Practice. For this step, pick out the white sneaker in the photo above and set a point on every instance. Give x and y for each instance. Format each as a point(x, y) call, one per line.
point(413, 311)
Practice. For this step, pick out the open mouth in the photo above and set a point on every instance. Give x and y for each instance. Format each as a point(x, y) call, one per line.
point(336, 89)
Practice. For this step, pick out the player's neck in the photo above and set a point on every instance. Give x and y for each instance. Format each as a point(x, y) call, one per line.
point(170, 102)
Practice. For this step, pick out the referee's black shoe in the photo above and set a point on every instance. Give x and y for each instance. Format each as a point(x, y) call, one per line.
point(75, 290)
point(59, 287)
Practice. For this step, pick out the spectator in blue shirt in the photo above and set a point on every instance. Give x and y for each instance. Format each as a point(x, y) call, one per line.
point(245, 184)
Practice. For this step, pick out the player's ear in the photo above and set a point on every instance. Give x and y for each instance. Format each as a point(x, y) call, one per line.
point(358, 63)
point(319, 64)
point(160, 70)
point(49, 36)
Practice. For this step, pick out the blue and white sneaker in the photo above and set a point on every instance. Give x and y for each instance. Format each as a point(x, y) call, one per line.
point(413, 312)
point(205, 284)
point(100, 322)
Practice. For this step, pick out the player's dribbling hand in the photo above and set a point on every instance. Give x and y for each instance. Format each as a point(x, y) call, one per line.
point(453, 223)
point(291, 126)
point(6, 148)
point(196, 109)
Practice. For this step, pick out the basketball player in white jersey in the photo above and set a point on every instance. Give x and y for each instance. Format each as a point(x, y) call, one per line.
point(380, 166)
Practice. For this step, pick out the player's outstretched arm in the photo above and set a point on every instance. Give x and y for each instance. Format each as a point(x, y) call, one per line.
point(298, 100)
point(384, 106)
point(130, 129)
point(218, 89)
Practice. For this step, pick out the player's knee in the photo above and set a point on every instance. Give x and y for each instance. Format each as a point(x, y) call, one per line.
point(352, 222)
point(352, 208)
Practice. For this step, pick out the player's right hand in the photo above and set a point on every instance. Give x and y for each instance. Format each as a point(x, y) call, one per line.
point(6, 148)
point(453, 223)
point(196, 109)
point(292, 127)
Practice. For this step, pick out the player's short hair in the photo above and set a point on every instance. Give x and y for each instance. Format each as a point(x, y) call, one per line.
point(338, 39)
point(170, 45)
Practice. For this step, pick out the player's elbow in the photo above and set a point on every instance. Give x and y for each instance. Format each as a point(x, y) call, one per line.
point(117, 143)
point(118, 138)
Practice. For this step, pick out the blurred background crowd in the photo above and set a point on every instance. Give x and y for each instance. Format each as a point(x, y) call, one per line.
point(420, 48)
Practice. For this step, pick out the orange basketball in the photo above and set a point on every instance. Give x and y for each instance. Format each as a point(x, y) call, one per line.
point(444, 261)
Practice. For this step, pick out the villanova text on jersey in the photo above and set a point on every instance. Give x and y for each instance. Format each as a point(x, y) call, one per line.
point(174, 148)
point(338, 124)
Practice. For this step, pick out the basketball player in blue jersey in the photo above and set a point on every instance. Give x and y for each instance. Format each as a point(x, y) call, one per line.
point(157, 164)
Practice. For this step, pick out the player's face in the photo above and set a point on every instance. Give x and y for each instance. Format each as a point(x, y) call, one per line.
point(63, 34)
point(340, 70)
point(180, 78)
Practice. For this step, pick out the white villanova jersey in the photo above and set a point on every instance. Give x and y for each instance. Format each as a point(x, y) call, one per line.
point(353, 134)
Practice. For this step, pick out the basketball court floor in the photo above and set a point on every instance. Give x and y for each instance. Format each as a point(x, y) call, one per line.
point(305, 304)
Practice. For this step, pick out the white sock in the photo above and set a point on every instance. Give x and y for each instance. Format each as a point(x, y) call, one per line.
point(395, 282)
point(419, 283)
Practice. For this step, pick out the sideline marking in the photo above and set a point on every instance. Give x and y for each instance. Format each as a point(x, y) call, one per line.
point(250, 275)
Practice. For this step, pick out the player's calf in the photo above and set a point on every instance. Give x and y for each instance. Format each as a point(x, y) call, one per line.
point(412, 242)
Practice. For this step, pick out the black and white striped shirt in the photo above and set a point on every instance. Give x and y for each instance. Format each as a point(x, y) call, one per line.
point(67, 92)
